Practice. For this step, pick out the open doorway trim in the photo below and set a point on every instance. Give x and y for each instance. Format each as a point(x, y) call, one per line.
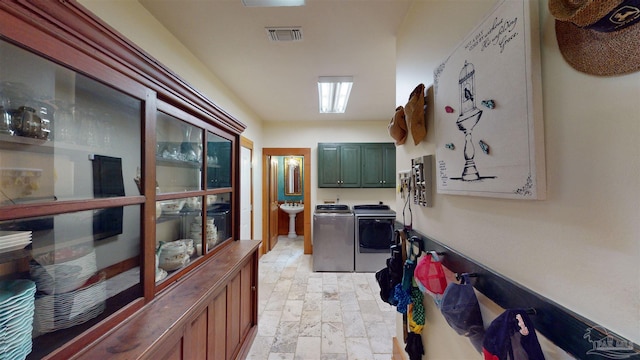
point(246, 143)
point(306, 154)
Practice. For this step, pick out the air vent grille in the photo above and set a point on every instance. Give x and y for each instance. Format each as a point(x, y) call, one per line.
point(285, 34)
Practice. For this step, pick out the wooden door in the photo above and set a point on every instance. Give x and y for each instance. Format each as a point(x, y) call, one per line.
point(246, 299)
point(217, 328)
point(273, 202)
point(233, 317)
point(195, 338)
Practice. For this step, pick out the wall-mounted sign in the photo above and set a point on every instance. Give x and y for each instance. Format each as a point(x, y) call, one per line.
point(488, 108)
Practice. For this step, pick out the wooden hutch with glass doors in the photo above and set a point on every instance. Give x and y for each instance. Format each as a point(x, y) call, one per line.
point(119, 216)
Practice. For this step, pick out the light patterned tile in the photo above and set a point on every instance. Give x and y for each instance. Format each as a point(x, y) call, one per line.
point(333, 338)
point(308, 348)
point(297, 291)
point(314, 284)
point(276, 300)
point(312, 301)
point(330, 291)
point(363, 292)
point(268, 323)
point(306, 315)
point(382, 356)
point(260, 348)
point(331, 311)
point(281, 356)
point(349, 301)
point(353, 324)
point(333, 357)
point(310, 323)
point(283, 285)
point(286, 337)
point(292, 310)
point(358, 349)
point(370, 311)
point(330, 278)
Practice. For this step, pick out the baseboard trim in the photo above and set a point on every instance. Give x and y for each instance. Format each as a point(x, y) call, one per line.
point(398, 351)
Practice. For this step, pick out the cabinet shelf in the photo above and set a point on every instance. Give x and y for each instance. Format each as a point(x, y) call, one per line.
point(14, 142)
point(160, 161)
point(14, 255)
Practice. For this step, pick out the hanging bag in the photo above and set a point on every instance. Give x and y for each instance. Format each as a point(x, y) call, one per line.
point(430, 277)
point(391, 275)
point(410, 263)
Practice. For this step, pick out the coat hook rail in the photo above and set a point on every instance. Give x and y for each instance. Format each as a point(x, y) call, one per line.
point(568, 330)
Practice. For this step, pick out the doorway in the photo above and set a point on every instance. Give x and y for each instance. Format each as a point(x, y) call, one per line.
point(246, 188)
point(270, 195)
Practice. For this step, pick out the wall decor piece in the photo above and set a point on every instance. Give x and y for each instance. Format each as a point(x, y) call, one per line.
point(498, 63)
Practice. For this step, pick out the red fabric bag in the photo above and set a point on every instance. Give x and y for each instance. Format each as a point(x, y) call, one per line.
point(429, 275)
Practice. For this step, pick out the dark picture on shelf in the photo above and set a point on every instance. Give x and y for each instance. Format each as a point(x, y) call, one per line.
point(107, 182)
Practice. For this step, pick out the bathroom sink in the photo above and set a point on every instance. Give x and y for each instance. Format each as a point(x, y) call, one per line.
point(291, 208)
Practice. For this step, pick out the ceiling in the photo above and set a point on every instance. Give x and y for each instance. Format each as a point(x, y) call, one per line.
point(278, 80)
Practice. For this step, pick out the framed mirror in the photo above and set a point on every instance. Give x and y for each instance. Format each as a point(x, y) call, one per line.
point(293, 175)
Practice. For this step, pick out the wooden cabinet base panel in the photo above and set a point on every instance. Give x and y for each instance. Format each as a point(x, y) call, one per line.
point(181, 322)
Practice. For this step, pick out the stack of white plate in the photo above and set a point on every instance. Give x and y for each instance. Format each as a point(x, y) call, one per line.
point(14, 240)
point(16, 318)
point(61, 311)
point(63, 276)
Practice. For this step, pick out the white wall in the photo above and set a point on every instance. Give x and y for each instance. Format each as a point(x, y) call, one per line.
point(580, 246)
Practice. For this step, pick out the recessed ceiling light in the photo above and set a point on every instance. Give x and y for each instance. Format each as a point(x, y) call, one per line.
point(272, 3)
point(333, 93)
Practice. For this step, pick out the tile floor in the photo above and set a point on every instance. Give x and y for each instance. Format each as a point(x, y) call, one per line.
point(310, 315)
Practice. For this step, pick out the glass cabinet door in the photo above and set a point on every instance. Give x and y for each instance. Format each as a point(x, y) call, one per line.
point(219, 218)
point(63, 136)
point(218, 161)
point(178, 155)
point(67, 143)
point(179, 223)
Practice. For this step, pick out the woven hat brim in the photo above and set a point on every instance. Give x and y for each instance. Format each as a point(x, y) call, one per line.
point(600, 53)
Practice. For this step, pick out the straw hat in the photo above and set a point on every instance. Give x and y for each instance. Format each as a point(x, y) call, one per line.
point(599, 37)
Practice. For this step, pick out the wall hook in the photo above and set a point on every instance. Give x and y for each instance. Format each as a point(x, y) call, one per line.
point(459, 275)
point(531, 311)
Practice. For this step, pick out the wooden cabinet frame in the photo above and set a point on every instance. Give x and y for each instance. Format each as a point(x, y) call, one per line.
point(68, 34)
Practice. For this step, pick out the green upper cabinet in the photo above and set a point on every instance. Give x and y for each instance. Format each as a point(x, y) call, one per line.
point(378, 165)
point(339, 165)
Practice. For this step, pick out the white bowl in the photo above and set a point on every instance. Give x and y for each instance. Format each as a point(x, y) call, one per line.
point(172, 206)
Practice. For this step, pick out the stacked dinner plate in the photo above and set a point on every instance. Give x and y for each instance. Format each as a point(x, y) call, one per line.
point(16, 318)
point(55, 273)
point(64, 310)
point(14, 240)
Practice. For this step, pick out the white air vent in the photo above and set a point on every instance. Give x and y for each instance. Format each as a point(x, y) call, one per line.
point(285, 33)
